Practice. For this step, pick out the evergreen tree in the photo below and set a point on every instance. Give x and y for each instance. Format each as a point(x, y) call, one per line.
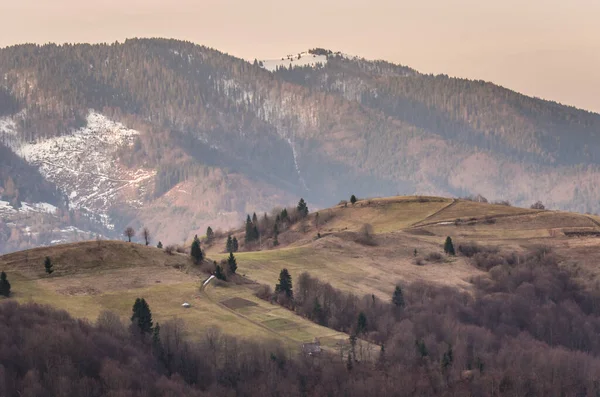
point(232, 263)
point(156, 345)
point(48, 265)
point(249, 230)
point(219, 274)
point(275, 235)
point(349, 364)
point(159, 245)
point(449, 246)
point(255, 233)
point(284, 215)
point(285, 284)
point(142, 316)
point(229, 244)
point(353, 199)
point(196, 251)
point(4, 285)
point(254, 219)
point(302, 208)
point(447, 358)
point(235, 244)
point(421, 348)
point(398, 298)
point(209, 233)
point(361, 323)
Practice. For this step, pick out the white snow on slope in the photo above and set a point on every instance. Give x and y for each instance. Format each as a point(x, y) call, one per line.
point(302, 59)
point(84, 165)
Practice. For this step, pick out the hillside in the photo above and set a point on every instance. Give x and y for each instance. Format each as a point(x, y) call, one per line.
point(175, 136)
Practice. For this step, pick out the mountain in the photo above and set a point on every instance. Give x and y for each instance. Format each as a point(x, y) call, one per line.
point(176, 137)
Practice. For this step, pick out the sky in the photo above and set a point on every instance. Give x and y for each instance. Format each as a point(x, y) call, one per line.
point(544, 48)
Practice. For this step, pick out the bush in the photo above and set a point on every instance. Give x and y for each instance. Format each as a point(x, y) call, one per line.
point(434, 257)
point(469, 249)
point(538, 206)
point(503, 202)
point(264, 292)
point(170, 249)
point(365, 235)
point(180, 249)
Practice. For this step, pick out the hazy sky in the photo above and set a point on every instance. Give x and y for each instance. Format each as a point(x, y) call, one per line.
point(546, 48)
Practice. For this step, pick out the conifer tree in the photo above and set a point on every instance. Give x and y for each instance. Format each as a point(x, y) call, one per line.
point(249, 230)
point(353, 199)
point(4, 285)
point(196, 251)
point(159, 245)
point(398, 298)
point(142, 316)
point(284, 215)
point(209, 233)
point(275, 235)
point(235, 245)
point(254, 219)
point(302, 208)
point(361, 323)
point(285, 284)
point(449, 246)
point(48, 265)
point(232, 263)
point(229, 244)
point(219, 274)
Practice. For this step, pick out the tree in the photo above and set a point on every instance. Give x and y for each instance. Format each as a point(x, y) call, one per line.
point(398, 297)
point(275, 235)
point(4, 285)
point(254, 219)
point(284, 215)
point(234, 244)
point(219, 274)
point(249, 230)
point(48, 265)
point(129, 233)
point(231, 263)
point(142, 316)
point(159, 245)
point(146, 235)
point(449, 246)
point(353, 199)
point(229, 244)
point(196, 251)
point(302, 208)
point(209, 233)
point(285, 284)
point(538, 206)
point(361, 323)
point(447, 358)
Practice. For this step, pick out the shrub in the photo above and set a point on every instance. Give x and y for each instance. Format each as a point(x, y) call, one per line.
point(434, 257)
point(538, 206)
point(365, 235)
point(170, 249)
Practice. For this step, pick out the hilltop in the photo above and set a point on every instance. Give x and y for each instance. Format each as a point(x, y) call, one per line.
point(176, 136)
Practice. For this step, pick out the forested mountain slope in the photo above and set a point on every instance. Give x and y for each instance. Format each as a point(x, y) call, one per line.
point(211, 137)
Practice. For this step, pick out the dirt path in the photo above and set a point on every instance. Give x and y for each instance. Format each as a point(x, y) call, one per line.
point(417, 224)
point(499, 216)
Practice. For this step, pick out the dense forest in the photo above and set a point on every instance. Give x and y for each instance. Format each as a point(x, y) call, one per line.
point(528, 328)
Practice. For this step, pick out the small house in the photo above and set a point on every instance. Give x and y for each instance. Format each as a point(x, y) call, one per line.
point(312, 349)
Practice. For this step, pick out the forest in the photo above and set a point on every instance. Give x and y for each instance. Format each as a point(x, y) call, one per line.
point(527, 328)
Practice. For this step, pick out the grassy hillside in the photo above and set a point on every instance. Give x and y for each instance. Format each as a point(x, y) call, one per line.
point(109, 275)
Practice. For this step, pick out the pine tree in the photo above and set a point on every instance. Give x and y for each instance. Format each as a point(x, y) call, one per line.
point(254, 219)
point(302, 208)
point(231, 263)
point(142, 316)
point(196, 251)
point(353, 199)
point(361, 323)
point(275, 235)
point(398, 298)
point(209, 233)
point(219, 274)
point(229, 244)
point(285, 284)
point(255, 233)
point(249, 230)
point(449, 246)
point(156, 345)
point(284, 215)
point(235, 244)
point(4, 285)
point(421, 348)
point(159, 245)
point(48, 265)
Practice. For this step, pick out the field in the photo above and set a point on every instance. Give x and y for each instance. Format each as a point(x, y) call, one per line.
point(407, 233)
point(96, 276)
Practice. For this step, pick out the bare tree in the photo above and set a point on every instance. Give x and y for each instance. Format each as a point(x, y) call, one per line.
point(129, 233)
point(146, 235)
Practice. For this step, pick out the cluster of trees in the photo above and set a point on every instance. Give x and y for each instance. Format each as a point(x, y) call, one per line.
point(4, 285)
point(232, 244)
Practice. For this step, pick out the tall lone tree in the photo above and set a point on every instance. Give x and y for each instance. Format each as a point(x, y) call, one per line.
point(129, 233)
point(196, 251)
point(285, 284)
point(4, 285)
point(232, 263)
point(353, 199)
point(449, 247)
point(146, 236)
point(302, 208)
point(229, 244)
point(209, 234)
point(48, 265)
point(142, 316)
point(398, 297)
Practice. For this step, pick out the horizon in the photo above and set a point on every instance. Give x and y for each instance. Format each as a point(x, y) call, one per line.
point(543, 49)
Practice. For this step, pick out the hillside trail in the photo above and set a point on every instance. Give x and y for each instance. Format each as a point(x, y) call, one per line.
point(417, 224)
